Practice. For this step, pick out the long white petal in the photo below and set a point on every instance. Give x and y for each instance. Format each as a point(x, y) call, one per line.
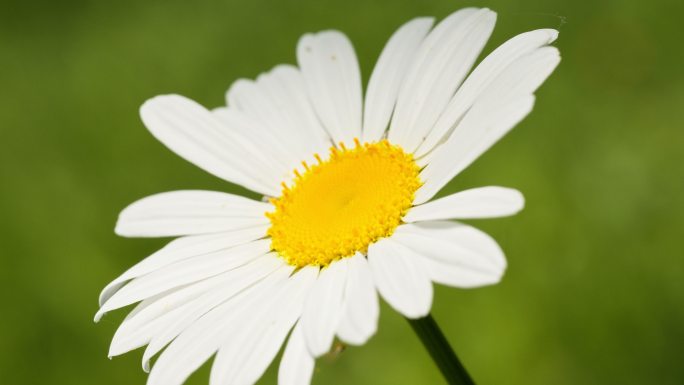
point(482, 202)
point(167, 315)
point(323, 308)
point(202, 339)
point(506, 101)
point(388, 74)
point(164, 329)
point(333, 79)
point(140, 324)
point(359, 319)
point(453, 253)
point(278, 156)
point(485, 124)
point(278, 100)
point(182, 273)
point(190, 212)
point(182, 248)
point(523, 76)
point(192, 132)
point(287, 85)
point(441, 64)
point(251, 98)
point(400, 278)
point(481, 77)
point(297, 365)
point(243, 359)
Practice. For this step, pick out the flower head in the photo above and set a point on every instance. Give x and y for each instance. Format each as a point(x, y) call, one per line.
point(340, 206)
point(348, 183)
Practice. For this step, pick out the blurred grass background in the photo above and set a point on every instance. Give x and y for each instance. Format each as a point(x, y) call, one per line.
point(594, 291)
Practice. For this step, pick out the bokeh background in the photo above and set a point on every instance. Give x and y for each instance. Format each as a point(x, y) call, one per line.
point(594, 293)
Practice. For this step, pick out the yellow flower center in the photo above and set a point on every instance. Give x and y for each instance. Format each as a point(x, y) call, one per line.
point(341, 205)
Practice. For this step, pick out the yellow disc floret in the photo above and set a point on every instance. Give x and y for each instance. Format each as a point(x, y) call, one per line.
point(343, 204)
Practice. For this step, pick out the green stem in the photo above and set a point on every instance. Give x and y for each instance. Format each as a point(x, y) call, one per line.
point(437, 345)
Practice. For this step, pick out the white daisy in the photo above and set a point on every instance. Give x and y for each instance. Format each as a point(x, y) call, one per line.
point(348, 183)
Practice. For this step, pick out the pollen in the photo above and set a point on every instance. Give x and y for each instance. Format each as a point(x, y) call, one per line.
point(341, 205)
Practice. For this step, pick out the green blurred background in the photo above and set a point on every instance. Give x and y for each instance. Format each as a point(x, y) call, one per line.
point(594, 291)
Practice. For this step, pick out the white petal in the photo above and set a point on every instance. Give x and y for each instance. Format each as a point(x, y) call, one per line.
point(288, 87)
point(297, 365)
point(278, 100)
point(168, 315)
point(441, 64)
point(483, 126)
point(251, 98)
point(190, 212)
point(523, 76)
point(170, 325)
point(192, 132)
point(278, 156)
point(454, 254)
point(331, 73)
point(359, 319)
point(149, 315)
point(243, 359)
point(388, 74)
point(501, 106)
point(202, 339)
point(182, 248)
point(184, 272)
point(481, 77)
point(323, 308)
point(400, 278)
point(482, 202)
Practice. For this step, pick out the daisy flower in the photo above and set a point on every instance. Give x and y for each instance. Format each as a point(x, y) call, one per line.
point(348, 211)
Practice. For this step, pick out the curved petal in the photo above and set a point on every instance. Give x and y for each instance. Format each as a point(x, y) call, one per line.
point(251, 98)
point(278, 100)
point(161, 318)
point(441, 64)
point(168, 327)
point(454, 254)
point(388, 74)
point(182, 273)
point(485, 124)
point(202, 339)
point(190, 212)
point(482, 202)
point(481, 77)
point(243, 359)
point(192, 132)
point(523, 76)
point(359, 319)
point(506, 101)
point(323, 308)
point(287, 84)
point(333, 79)
point(400, 278)
point(183, 248)
point(297, 365)
point(279, 158)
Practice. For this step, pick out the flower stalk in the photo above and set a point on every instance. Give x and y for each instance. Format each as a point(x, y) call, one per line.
point(441, 352)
